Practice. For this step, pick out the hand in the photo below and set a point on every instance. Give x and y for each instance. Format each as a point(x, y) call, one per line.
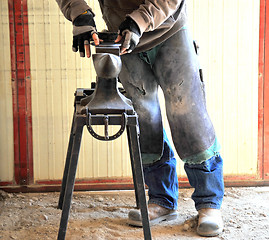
point(129, 35)
point(84, 30)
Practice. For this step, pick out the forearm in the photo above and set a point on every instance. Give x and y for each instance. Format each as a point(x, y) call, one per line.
point(153, 13)
point(72, 8)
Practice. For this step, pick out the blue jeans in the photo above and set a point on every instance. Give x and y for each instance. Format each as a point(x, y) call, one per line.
point(161, 178)
point(206, 178)
point(173, 66)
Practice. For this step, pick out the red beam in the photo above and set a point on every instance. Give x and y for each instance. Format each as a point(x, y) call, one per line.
point(104, 186)
point(21, 91)
point(260, 91)
point(6, 183)
point(126, 180)
point(264, 91)
point(123, 184)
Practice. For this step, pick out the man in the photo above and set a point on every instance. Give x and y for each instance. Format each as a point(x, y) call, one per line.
point(157, 51)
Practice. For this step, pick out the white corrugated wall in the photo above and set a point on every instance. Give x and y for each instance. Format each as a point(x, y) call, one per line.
point(228, 34)
point(6, 113)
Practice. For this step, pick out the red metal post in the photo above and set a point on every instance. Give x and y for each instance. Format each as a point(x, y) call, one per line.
point(260, 91)
point(21, 92)
point(264, 91)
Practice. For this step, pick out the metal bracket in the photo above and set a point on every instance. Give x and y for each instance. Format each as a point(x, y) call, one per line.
point(104, 120)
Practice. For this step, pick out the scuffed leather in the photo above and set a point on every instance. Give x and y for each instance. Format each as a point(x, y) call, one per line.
point(176, 71)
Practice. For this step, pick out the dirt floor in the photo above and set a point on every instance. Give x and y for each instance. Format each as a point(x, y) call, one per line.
point(102, 216)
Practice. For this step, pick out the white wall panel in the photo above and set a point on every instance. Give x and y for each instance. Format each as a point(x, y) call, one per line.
point(6, 116)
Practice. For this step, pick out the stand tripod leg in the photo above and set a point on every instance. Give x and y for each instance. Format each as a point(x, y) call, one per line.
point(139, 178)
point(67, 163)
point(133, 170)
point(78, 123)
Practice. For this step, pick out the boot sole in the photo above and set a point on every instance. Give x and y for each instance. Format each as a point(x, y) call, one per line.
point(210, 234)
point(168, 217)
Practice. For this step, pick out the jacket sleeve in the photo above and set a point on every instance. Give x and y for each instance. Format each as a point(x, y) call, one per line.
point(72, 8)
point(153, 13)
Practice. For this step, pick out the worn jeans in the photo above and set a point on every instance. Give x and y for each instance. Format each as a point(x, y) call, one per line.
point(173, 66)
point(206, 178)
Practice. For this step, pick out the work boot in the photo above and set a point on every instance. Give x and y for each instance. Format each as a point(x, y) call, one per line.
point(156, 214)
point(210, 222)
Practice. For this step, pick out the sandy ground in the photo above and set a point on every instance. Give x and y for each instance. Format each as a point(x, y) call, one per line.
point(102, 216)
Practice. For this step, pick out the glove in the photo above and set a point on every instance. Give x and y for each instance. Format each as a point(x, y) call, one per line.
point(83, 29)
point(129, 34)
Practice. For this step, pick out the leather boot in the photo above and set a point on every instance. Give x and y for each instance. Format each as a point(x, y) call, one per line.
point(210, 223)
point(156, 213)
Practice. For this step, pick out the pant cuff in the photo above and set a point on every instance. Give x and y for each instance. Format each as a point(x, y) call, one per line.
point(162, 204)
point(208, 205)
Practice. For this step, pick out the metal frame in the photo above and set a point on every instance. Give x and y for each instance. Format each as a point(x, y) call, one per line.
point(68, 181)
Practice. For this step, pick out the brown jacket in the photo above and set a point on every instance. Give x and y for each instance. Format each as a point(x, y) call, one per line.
point(157, 19)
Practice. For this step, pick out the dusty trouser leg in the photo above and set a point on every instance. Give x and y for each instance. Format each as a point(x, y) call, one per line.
point(157, 155)
point(140, 84)
point(158, 159)
point(177, 70)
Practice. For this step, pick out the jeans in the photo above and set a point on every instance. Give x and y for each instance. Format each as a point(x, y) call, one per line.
point(161, 178)
point(173, 66)
point(206, 178)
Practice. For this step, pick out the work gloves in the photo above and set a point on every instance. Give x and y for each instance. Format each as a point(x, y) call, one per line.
point(84, 30)
point(129, 35)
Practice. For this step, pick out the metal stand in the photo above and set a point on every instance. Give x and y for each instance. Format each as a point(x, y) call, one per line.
point(91, 109)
